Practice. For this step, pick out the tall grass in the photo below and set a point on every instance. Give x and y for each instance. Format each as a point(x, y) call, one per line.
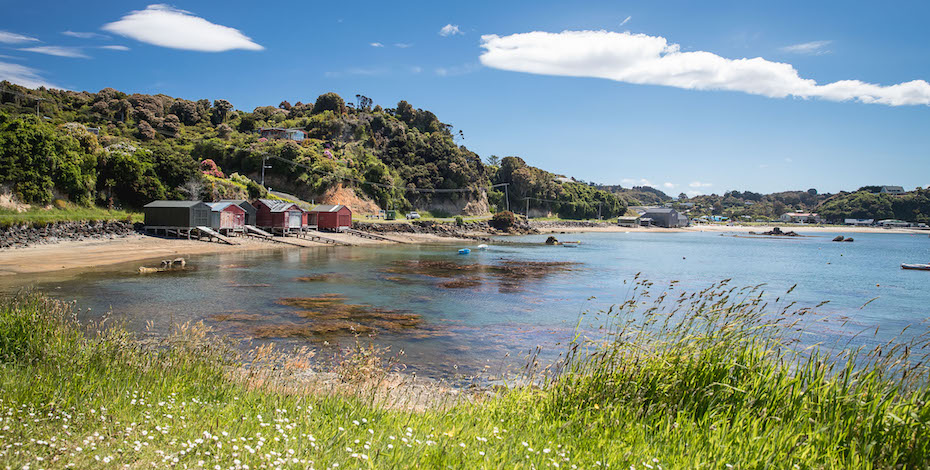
point(713, 379)
point(69, 213)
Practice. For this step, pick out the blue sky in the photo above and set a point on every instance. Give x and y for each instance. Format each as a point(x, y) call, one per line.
point(598, 92)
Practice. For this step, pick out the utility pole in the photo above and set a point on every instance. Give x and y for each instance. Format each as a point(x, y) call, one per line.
point(264, 159)
point(507, 195)
point(527, 208)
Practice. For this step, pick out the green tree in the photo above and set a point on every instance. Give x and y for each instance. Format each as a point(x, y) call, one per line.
point(329, 102)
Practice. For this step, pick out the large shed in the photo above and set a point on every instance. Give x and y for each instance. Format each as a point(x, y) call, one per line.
point(664, 217)
point(176, 214)
point(248, 208)
point(277, 215)
point(331, 217)
point(227, 217)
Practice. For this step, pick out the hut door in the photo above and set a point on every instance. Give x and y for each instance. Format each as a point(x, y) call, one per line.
point(294, 220)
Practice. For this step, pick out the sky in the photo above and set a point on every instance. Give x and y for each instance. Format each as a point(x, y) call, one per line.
point(692, 97)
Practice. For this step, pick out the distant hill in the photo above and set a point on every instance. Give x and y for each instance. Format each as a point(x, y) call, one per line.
point(638, 195)
point(131, 148)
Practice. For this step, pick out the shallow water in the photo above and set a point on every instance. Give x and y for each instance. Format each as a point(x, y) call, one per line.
point(461, 314)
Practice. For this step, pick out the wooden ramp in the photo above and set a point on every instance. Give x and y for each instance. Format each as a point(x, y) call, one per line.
point(369, 235)
point(214, 234)
point(318, 237)
point(253, 230)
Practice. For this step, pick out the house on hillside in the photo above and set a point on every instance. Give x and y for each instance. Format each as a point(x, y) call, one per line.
point(893, 223)
point(895, 190)
point(859, 222)
point(283, 133)
point(278, 216)
point(330, 217)
point(800, 218)
point(665, 217)
point(248, 208)
point(176, 215)
point(227, 217)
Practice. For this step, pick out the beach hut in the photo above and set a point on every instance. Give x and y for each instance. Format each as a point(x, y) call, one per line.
point(248, 208)
point(331, 217)
point(227, 217)
point(176, 215)
point(278, 216)
point(663, 217)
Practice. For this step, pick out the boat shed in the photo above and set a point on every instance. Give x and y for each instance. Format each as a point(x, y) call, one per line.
point(176, 214)
point(628, 221)
point(227, 217)
point(248, 208)
point(331, 217)
point(664, 217)
point(278, 216)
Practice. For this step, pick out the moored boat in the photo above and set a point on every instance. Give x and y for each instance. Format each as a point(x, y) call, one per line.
point(921, 267)
point(464, 251)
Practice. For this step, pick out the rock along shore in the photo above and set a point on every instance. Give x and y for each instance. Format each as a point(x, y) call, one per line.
point(18, 236)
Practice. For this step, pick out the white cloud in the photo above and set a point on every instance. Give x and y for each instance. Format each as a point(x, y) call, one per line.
point(809, 48)
point(166, 26)
point(115, 48)
point(456, 70)
point(416, 69)
point(652, 60)
point(668, 185)
point(7, 37)
point(58, 51)
point(788, 159)
point(85, 35)
point(693, 193)
point(450, 30)
point(627, 20)
point(376, 44)
point(637, 182)
point(402, 45)
point(698, 184)
point(22, 75)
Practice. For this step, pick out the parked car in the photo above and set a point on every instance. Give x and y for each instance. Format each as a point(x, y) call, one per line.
point(413, 215)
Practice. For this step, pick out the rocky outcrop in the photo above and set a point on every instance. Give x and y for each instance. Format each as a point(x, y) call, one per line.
point(25, 235)
point(442, 229)
point(567, 224)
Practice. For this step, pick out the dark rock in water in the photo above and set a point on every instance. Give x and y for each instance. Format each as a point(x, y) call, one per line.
point(552, 241)
point(838, 238)
point(848, 239)
point(777, 232)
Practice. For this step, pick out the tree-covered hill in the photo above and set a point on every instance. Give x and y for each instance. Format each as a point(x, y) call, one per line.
point(128, 149)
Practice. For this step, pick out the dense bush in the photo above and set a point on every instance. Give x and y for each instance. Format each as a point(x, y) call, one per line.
point(504, 220)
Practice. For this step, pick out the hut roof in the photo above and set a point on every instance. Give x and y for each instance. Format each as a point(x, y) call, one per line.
point(173, 204)
point(219, 206)
point(276, 205)
point(327, 208)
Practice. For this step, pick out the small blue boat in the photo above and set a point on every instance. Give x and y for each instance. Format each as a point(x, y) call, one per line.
point(464, 251)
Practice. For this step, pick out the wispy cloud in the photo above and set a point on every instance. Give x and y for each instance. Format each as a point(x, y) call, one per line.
point(456, 70)
point(625, 21)
point(362, 71)
point(376, 44)
point(85, 35)
point(166, 26)
point(637, 182)
point(402, 45)
point(450, 30)
point(693, 193)
point(7, 37)
point(115, 48)
point(809, 48)
point(698, 184)
point(668, 185)
point(652, 60)
point(416, 69)
point(58, 51)
point(22, 75)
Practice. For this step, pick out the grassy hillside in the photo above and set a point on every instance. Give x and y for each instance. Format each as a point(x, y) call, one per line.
point(156, 146)
point(669, 390)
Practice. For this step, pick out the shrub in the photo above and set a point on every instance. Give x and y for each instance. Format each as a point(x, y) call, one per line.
point(459, 221)
point(503, 220)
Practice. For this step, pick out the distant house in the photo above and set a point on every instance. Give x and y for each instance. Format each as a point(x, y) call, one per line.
point(892, 190)
point(800, 218)
point(93, 130)
point(890, 223)
point(330, 217)
point(665, 217)
point(278, 216)
point(628, 221)
point(563, 179)
point(683, 220)
point(176, 214)
point(283, 133)
point(227, 217)
point(859, 222)
point(248, 208)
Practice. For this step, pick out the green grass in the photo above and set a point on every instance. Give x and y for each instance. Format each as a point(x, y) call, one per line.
point(702, 380)
point(70, 213)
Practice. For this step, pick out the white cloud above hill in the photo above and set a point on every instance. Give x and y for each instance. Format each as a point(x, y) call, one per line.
point(166, 26)
point(652, 60)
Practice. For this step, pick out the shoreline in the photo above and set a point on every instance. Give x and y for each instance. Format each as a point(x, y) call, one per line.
point(609, 228)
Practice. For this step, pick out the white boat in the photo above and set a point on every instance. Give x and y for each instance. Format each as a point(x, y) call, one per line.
point(482, 247)
point(921, 267)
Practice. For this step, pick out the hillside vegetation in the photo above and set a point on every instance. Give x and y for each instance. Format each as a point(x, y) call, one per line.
point(156, 146)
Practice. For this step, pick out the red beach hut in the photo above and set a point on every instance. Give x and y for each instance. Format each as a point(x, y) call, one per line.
point(335, 217)
point(278, 216)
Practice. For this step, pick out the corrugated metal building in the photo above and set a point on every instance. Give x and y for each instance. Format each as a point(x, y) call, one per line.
point(278, 215)
point(664, 217)
point(331, 217)
point(248, 208)
point(183, 214)
point(227, 217)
